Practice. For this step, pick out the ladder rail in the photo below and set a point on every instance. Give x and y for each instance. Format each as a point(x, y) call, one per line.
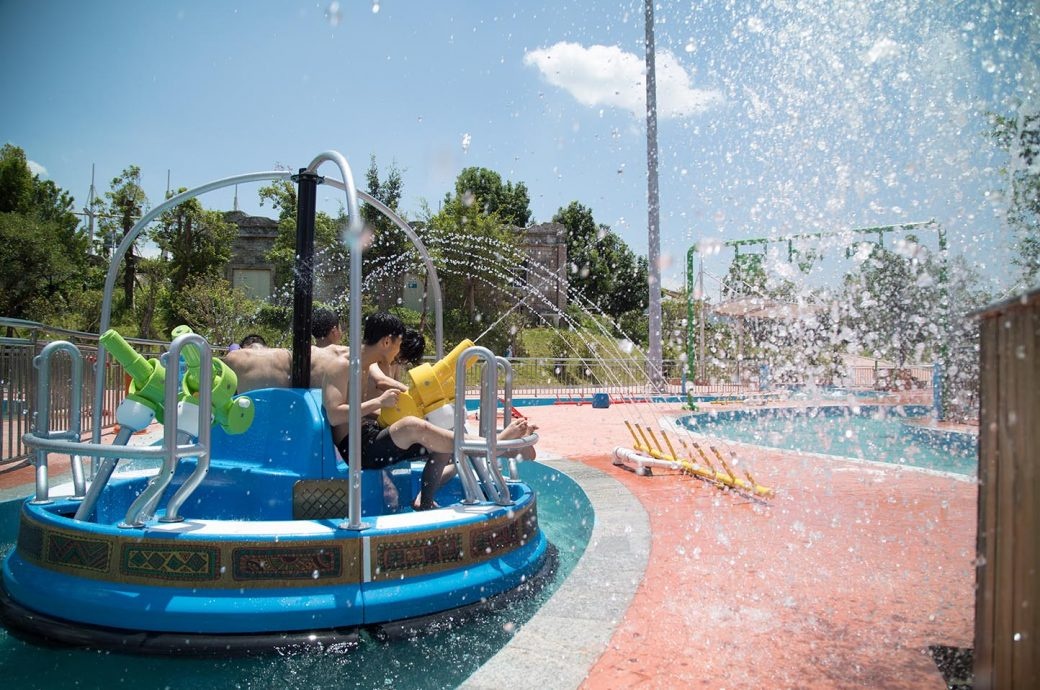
point(477, 460)
point(42, 419)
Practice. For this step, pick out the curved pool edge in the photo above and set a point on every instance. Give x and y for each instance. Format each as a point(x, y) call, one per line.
point(559, 645)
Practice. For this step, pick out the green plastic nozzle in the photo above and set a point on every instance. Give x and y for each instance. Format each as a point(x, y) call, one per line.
point(147, 375)
point(234, 415)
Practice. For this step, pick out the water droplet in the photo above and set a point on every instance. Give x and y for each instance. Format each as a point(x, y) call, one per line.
point(375, 8)
point(333, 13)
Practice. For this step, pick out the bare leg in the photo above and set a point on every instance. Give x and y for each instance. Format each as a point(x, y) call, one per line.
point(440, 442)
point(519, 428)
point(438, 470)
point(435, 439)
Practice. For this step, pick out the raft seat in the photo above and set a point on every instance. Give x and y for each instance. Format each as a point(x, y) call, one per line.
point(290, 439)
point(289, 433)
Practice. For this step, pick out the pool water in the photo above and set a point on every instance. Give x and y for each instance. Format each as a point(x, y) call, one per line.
point(437, 660)
point(865, 432)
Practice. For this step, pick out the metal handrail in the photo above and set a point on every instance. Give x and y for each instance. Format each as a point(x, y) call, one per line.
point(42, 421)
point(142, 508)
point(479, 458)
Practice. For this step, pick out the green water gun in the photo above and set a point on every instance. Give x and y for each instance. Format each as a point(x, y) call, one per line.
point(147, 376)
point(235, 415)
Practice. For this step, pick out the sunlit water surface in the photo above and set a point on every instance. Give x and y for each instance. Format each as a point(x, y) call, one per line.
point(436, 660)
point(868, 432)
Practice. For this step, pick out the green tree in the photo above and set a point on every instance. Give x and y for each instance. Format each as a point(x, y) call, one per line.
point(127, 202)
point(889, 305)
point(43, 257)
point(16, 181)
point(746, 276)
point(1019, 136)
point(604, 270)
point(196, 241)
point(215, 310)
point(330, 258)
point(389, 244)
point(484, 189)
point(469, 245)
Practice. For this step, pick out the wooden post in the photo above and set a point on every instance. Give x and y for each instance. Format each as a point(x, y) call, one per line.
point(1007, 638)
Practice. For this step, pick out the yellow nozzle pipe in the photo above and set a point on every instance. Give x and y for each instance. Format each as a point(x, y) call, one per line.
point(433, 386)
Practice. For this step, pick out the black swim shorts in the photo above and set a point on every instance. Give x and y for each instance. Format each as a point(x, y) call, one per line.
point(378, 450)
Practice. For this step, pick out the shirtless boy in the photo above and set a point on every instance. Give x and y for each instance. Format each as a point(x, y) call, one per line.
point(259, 366)
point(406, 438)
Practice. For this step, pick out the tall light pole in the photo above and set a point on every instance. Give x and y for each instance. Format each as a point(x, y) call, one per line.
point(653, 206)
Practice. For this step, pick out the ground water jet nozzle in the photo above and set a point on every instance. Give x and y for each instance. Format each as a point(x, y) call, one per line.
point(433, 387)
point(235, 415)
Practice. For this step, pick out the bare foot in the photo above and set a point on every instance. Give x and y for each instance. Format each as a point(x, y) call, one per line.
point(514, 430)
point(519, 428)
point(418, 506)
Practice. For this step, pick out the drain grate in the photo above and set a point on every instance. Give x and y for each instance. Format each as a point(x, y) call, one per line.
point(320, 499)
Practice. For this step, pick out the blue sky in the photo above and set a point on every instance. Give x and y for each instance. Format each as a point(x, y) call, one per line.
point(774, 120)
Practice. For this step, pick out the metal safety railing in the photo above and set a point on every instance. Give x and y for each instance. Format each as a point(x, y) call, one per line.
point(22, 343)
point(44, 440)
point(478, 460)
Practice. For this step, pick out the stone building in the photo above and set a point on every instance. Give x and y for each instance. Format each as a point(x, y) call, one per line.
point(249, 268)
point(545, 246)
point(545, 265)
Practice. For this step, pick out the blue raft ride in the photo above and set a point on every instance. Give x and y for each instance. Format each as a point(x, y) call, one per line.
point(250, 532)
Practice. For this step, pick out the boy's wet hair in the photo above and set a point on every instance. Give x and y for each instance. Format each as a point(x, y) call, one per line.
point(379, 325)
point(323, 321)
point(252, 339)
point(413, 346)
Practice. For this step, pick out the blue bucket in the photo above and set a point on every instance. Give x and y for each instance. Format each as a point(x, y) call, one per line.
point(600, 401)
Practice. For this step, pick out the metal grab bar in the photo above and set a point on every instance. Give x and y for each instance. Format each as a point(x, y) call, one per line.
point(42, 419)
point(477, 461)
point(143, 507)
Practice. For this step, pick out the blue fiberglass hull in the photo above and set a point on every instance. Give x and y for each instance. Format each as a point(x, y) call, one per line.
point(260, 549)
point(202, 576)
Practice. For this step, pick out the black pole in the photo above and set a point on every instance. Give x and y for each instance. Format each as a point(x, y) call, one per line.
point(303, 276)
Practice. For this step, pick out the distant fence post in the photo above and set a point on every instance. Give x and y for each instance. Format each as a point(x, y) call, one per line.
point(1007, 595)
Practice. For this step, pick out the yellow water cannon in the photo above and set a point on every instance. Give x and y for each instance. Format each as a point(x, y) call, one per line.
point(235, 415)
point(433, 386)
point(147, 376)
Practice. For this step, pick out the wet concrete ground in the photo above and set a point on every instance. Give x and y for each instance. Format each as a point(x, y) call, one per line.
point(843, 579)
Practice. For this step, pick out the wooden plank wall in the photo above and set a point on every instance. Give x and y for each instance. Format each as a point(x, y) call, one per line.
point(1007, 639)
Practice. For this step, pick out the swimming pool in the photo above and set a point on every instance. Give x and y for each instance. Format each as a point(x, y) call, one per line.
point(472, 404)
point(441, 659)
point(865, 432)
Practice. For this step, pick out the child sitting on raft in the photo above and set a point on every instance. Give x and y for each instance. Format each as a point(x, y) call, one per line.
point(406, 438)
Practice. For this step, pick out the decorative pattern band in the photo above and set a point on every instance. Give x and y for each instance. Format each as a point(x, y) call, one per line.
point(127, 558)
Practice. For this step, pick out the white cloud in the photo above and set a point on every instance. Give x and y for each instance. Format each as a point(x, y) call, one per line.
point(608, 76)
point(37, 169)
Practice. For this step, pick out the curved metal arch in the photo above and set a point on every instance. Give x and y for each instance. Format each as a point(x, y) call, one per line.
point(117, 258)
